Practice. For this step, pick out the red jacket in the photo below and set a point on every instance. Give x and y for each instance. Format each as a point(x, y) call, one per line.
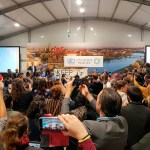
point(87, 145)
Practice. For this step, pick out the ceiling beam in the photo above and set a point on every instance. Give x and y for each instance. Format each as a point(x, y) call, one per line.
point(50, 12)
point(98, 8)
point(72, 19)
point(65, 7)
point(32, 15)
point(115, 9)
point(147, 23)
point(15, 21)
point(28, 12)
point(21, 5)
point(134, 12)
point(143, 2)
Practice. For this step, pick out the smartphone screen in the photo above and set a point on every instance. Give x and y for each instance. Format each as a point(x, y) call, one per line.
point(57, 77)
point(51, 123)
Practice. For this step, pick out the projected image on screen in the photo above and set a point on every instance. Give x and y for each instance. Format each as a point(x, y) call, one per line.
point(9, 58)
point(147, 52)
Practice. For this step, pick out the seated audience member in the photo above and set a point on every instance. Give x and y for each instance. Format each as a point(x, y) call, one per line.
point(3, 112)
point(137, 115)
point(76, 129)
point(36, 110)
point(122, 90)
point(15, 134)
point(9, 105)
point(21, 97)
point(109, 127)
point(96, 85)
point(143, 144)
point(53, 104)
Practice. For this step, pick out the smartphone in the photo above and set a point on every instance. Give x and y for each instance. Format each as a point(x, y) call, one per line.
point(57, 77)
point(51, 123)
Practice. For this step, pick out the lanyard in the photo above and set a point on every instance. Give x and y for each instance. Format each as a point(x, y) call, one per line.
point(107, 118)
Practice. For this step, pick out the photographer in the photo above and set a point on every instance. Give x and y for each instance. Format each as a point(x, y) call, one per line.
point(109, 127)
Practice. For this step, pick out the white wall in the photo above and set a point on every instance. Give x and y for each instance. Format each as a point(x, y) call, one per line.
point(105, 34)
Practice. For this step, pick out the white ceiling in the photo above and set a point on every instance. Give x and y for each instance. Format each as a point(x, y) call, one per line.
point(31, 14)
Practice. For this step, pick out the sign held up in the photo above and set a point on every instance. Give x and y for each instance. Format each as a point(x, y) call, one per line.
point(71, 72)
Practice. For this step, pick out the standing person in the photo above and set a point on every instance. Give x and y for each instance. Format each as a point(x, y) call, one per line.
point(21, 97)
point(137, 115)
point(122, 90)
point(16, 74)
point(32, 68)
point(109, 127)
point(9, 74)
point(96, 85)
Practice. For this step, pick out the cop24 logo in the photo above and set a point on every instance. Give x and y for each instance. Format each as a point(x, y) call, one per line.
point(96, 61)
point(71, 61)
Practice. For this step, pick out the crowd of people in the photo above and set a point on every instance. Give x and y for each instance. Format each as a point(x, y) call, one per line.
point(107, 111)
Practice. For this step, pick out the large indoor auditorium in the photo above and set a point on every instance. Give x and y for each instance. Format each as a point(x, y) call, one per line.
point(74, 74)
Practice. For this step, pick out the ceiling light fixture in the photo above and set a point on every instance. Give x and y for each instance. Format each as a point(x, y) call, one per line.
point(129, 35)
point(79, 2)
point(82, 10)
point(92, 29)
point(16, 24)
point(42, 36)
point(78, 28)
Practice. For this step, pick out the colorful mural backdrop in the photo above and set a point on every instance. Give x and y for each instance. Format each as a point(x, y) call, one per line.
point(53, 57)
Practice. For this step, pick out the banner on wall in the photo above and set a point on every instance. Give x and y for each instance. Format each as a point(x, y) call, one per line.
point(71, 72)
point(83, 61)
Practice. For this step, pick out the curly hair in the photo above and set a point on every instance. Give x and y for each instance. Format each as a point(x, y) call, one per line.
point(16, 128)
point(56, 92)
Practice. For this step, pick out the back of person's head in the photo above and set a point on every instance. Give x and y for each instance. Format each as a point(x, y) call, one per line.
point(14, 132)
point(42, 86)
point(95, 76)
point(135, 94)
point(8, 101)
point(120, 84)
point(56, 92)
point(147, 79)
point(110, 102)
point(113, 83)
point(37, 107)
point(17, 88)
